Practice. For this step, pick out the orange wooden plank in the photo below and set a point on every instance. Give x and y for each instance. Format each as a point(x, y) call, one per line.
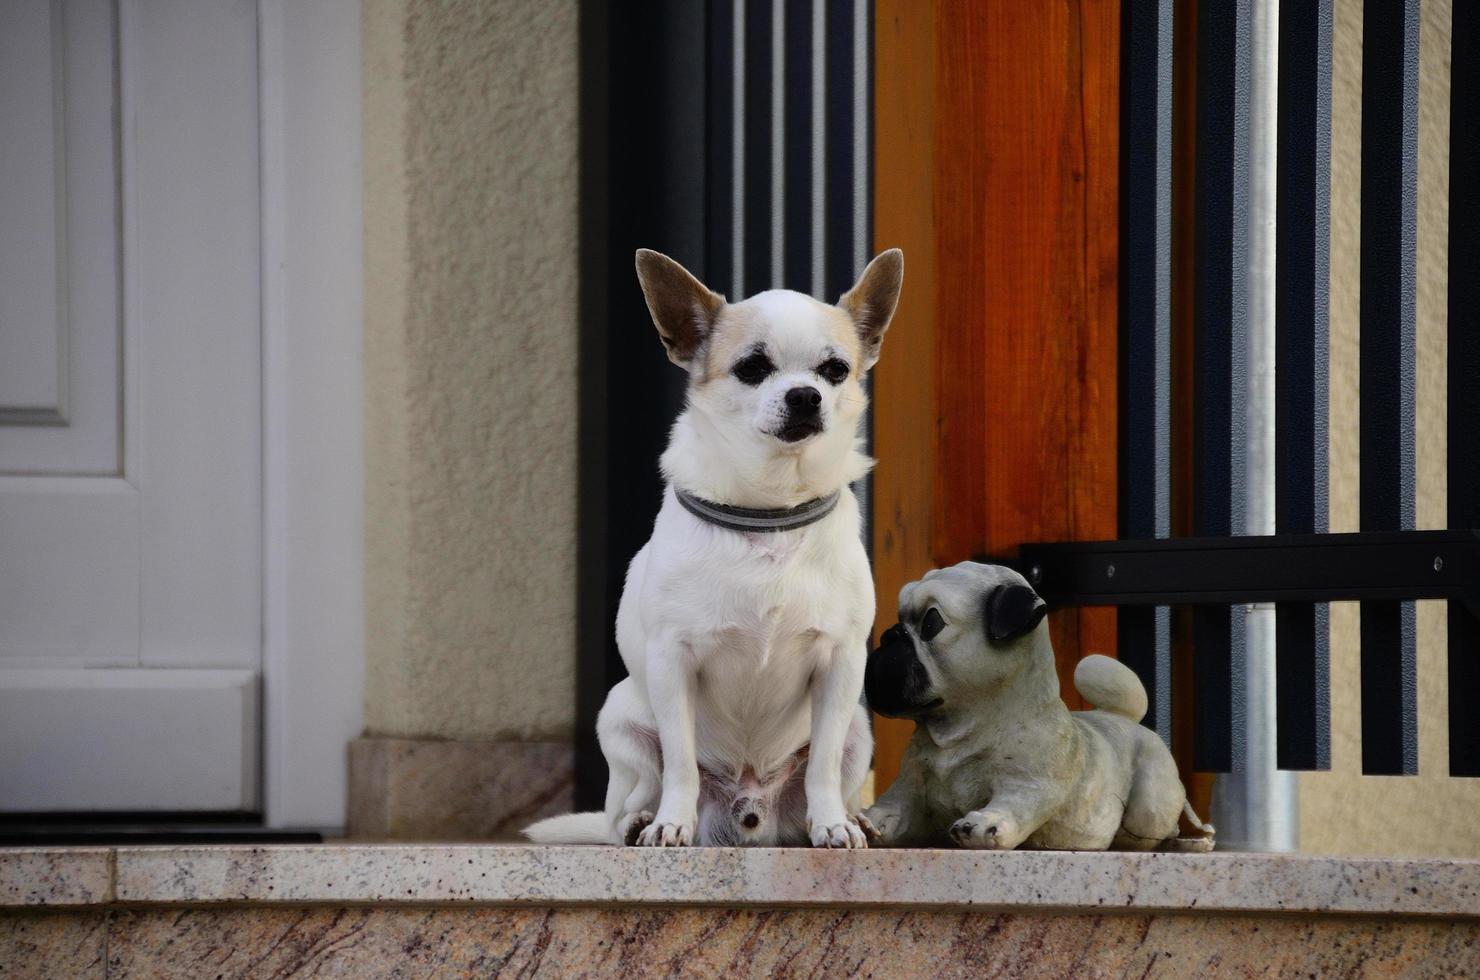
point(996, 169)
point(1027, 219)
point(904, 382)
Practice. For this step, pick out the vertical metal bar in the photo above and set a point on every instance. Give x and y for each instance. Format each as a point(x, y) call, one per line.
point(1302, 291)
point(817, 284)
point(797, 189)
point(845, 135)
point(1220, 351)
point(839, 261)
point(1146, 327)
point(720, 223)
point(758, 135)
point(1388, 297)
point(863, 46)
point(1256, 806)
point(1464, 369)
point(863, 210)
point(779, 139)
point(737, 146)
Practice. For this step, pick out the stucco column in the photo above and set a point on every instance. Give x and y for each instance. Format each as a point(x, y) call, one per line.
point(470, 129)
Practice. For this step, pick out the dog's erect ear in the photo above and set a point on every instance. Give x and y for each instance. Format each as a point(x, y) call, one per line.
point(872, 300)
point(1013, 611)
point(683, 308)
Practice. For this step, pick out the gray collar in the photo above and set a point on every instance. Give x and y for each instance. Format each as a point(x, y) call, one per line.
point(735, 518)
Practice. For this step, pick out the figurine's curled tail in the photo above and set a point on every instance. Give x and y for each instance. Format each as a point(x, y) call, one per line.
point(1110, 686)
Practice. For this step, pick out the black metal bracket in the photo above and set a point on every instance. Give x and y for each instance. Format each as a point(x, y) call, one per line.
point(1277, 568)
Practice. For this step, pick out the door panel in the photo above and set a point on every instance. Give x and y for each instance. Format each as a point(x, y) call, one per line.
point(69, 573)
point(31, 357)
point(60, 329)
point(130, 405)
point(195, 247)
point(139, 739)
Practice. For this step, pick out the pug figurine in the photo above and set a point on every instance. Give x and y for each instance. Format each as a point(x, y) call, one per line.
point(997, 761)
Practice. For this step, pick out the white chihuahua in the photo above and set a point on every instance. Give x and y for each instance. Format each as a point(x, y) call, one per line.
point(745, 618)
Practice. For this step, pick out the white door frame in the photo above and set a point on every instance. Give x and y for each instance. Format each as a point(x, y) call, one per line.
point(313, 435)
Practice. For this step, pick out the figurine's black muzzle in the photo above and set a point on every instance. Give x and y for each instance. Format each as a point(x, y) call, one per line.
point(895, 682)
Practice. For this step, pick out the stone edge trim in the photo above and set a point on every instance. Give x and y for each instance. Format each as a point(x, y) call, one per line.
point(67, 877)
point(513, 875)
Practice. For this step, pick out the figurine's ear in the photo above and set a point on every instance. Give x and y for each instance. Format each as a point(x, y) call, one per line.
point(1013, 611)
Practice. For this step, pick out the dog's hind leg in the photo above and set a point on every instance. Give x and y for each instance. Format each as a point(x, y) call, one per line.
point(629, 741)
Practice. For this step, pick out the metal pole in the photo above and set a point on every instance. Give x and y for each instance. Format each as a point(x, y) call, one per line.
point(1256, 806)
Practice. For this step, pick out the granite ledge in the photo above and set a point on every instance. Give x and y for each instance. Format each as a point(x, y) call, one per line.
point(56, 877)
point(522, 875)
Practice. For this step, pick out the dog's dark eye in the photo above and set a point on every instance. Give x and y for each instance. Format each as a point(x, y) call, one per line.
point(931, 624)
point(833, 370)
point(754, 369)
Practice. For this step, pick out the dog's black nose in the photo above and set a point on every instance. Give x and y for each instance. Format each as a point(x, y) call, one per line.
point(805, 399)
point(895, 634)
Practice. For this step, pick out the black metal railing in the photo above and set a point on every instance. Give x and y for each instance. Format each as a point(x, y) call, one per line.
point(1388, 565)
point(1463, 483)
point(1291, 570)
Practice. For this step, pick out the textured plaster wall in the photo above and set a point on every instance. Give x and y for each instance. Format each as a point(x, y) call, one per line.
point(1342, 811)
point(470, 361)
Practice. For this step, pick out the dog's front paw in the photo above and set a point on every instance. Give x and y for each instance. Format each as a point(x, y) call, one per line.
point(845, 833)
point(633, 824)
point(985, 830)
point(871, 834)
point(665, 833)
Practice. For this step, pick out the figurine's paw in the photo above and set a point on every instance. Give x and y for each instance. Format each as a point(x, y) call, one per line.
point(870, 833)
point(845, 834)
point(664, 833)
point(985, 830)
point(879, 823)
point(632, 824)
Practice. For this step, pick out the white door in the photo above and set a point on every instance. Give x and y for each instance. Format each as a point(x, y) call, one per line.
point(130, 406)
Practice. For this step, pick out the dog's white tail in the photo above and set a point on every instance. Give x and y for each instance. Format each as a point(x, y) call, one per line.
point(570, 828)
point(1110, 686)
